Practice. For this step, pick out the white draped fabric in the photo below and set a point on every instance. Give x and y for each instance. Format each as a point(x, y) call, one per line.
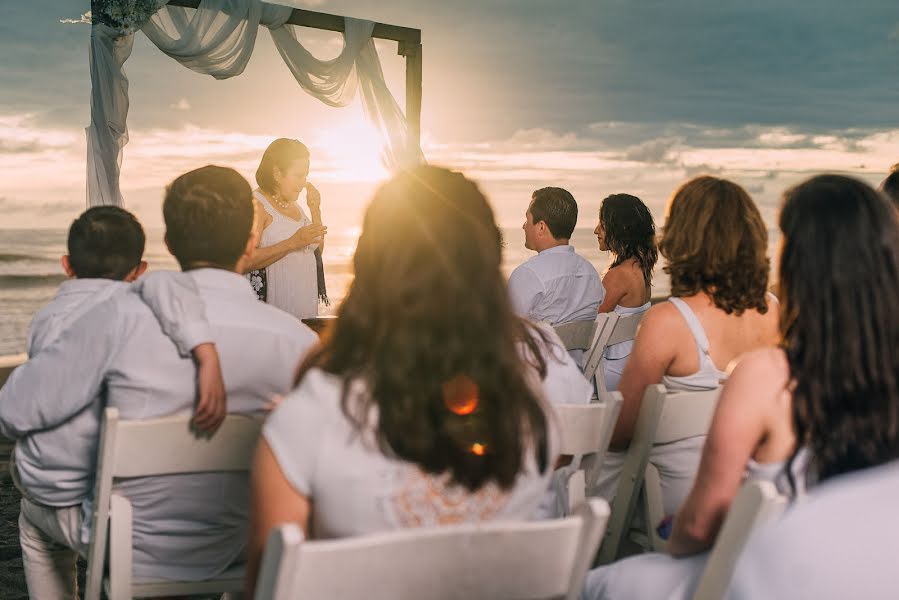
point(218, 39)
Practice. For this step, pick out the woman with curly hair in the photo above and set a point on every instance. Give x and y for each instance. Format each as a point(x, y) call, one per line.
point(715, 244)
point(626, 230)
point(427, 403)
point(823, 403)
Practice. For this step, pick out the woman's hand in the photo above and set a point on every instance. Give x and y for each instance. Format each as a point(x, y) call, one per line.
point(305, 236)
point(313, 198)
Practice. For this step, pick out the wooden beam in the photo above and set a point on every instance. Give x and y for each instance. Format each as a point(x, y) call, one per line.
point(412, 52)
point(329, 22)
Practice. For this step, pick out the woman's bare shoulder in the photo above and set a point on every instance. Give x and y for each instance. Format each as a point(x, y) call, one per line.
point(764, 368)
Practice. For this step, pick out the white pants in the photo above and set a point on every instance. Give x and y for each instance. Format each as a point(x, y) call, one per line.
point(51, 540)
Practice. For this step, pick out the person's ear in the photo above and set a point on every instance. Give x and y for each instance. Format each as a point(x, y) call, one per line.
point(136, 272)
point(252, 243)
point(67, 266)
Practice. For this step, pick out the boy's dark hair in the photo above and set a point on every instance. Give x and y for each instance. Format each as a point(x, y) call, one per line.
point(105, 242)
point(208, 215)
point(890, 185)
point(555, 207)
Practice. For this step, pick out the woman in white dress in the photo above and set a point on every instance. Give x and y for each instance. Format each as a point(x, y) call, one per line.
point(715, 243)
point(626, 230)
point(428, 403)
point(286, 269)
point(832, 382)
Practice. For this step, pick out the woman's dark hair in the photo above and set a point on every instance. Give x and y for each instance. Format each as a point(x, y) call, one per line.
point(715, 242)
point(629, 232)
point(839, 281)
point(281, 153)
point(428, 327)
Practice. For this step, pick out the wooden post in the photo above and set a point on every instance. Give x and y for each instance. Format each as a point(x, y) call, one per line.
point(412, 52)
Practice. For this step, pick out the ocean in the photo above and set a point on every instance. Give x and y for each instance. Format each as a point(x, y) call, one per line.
point(30, 270)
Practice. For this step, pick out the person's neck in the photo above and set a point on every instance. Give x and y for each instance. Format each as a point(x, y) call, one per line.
point(278, 199)
point(207, 265)
point(552, 244)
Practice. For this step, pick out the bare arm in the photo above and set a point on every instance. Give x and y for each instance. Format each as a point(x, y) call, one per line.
point(274, 502)
point(615, 286)
point(654, 351)
point(738, 427)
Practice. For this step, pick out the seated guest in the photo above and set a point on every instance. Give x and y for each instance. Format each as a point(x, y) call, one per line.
point(105, 246)
point(820, 385)
point(715, 243)
point(835, 545)
point(626, 230)
point(430, 398)
point(558, 285)
point(890, 185)
point(192, 526)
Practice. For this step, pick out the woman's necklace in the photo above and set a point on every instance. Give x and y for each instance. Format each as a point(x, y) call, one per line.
point(276, 198)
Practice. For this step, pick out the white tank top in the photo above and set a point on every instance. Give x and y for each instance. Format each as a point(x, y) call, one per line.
point(708, 376)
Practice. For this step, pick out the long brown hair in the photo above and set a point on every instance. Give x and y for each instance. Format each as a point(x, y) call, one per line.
point(715, 242)
point(839, 284)
point(428, 327)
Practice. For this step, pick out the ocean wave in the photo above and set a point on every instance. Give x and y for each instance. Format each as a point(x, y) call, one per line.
point(29, 281)
point(6, 257)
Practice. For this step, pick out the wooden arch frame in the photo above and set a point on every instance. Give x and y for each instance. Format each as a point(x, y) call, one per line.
point(409, 46)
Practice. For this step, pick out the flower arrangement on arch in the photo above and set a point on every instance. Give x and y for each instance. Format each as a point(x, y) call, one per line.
point(127, 16)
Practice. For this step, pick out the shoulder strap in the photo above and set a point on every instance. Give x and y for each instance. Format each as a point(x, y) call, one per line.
point(702, 342)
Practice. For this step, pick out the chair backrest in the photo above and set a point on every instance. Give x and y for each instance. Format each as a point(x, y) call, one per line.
point(576, 335)
point(496, 560)
point(127, 450)
point(663, 418)
point(615, 329)
point(683, 415)
point(756, 503)
point(585, 430)
point(8, 363)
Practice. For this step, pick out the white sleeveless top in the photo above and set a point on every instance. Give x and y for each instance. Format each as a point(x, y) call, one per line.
point(291, 282)
point(708, 376)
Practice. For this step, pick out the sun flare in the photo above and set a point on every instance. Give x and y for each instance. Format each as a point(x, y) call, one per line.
point(351, 149)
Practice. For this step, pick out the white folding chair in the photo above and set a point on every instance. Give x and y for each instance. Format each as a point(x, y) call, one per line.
point(664, 418)
point(8, 364)
point(492, 560)
point(756, 503)
point(615, 330)
point(577, 335)
point(585, 430)
point(127, 450)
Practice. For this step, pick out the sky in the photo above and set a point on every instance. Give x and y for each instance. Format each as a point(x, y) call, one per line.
point(597, 96)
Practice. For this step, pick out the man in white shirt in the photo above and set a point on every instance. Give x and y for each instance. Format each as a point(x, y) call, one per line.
point(188, 527)
point(558, 285)
point(837, 543)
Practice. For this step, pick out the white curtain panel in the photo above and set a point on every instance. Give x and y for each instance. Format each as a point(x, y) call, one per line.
point(218, 39)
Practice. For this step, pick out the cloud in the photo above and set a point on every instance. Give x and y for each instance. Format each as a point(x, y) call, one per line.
point(181, 104)
point(660, 150)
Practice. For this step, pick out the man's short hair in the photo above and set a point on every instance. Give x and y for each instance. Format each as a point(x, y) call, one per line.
point(105, 242)
point(555, 207)
point(208, 215)
point(890, 185)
